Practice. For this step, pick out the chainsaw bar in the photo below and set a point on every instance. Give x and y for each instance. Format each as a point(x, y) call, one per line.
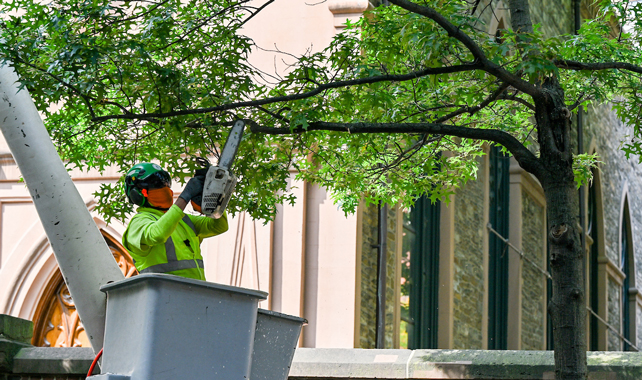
point(231, 145)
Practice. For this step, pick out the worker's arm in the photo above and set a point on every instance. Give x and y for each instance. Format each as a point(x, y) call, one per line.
point(207, 227)
point(144, 231)
point(181, 203)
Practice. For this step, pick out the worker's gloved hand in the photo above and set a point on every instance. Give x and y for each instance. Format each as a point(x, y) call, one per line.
point(198, 199)
point(193, 188)
point(196, 202)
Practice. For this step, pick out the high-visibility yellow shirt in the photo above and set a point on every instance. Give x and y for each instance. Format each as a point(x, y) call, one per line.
point(164, 242)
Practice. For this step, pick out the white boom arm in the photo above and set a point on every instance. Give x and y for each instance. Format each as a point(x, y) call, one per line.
point(82, 254)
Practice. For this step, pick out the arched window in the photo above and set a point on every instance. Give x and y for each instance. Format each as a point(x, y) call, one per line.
point(56, 321)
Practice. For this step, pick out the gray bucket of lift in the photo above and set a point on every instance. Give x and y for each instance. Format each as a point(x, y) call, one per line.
point(274, 344)
point(167, 327)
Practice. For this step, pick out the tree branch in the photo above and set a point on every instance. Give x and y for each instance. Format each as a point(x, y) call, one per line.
point(524, 157)
point(455, 32)
point(575, 65)
point(252, 14)
point(86, 98)
point(134, 17)
point(304, 95)
point(517, 99)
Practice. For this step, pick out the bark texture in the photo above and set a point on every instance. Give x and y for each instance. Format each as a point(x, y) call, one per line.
point(520, 15)
point(568, 305)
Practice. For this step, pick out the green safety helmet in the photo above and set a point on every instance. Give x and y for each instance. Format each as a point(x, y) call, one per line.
point(144, 176)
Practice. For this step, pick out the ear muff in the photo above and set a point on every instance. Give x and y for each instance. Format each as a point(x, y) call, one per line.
point(136, 196)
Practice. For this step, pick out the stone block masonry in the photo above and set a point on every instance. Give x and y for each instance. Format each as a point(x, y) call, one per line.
point(469, 287)
point(534, 282)
point(15, 334)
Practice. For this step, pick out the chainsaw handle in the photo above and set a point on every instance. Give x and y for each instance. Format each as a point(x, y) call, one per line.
point(201, 172)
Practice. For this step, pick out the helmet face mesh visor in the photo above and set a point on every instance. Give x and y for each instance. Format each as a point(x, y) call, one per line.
point(156, 180)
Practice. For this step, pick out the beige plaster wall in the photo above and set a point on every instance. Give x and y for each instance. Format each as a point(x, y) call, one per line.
point(289, 27)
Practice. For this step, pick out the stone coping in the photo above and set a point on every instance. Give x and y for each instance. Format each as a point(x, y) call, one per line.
point(317, 363)
point(15, 329)
point(328, 363)
point(53, 360)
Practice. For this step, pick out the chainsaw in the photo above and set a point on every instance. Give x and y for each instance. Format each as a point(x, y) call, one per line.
point(219, 182)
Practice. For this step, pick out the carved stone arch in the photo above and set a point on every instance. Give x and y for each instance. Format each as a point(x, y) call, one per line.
point(56, 321)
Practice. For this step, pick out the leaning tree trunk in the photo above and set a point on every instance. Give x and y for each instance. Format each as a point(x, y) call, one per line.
point(568, 305)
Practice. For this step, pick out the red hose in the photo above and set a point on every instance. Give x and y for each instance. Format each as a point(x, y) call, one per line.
point(93, 364)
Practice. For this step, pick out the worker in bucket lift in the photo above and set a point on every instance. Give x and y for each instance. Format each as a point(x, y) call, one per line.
point(161, 238)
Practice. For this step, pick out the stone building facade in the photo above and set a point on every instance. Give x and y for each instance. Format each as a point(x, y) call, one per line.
point(612, 222)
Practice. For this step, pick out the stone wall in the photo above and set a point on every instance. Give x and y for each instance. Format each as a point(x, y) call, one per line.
point(368, 310)
point(20, 361)
point(618, 177)
point(392, 281)
point(533, 281)
point(552, 23)
point(614, 316)
point(555, 16)
point(469, 285)
point(638, 313)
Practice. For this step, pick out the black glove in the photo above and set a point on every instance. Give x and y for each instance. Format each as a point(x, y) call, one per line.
point(193, 188)
point(198, 199)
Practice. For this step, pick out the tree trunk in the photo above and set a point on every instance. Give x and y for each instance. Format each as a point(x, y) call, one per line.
point(520, 16)
point(568, 305)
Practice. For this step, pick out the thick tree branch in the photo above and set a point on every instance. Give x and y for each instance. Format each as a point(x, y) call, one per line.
point(524, 157)
point(455, 32)
point(575, 65)
point(304, 95)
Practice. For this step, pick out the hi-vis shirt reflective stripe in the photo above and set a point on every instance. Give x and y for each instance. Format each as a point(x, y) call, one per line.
point(172, 261)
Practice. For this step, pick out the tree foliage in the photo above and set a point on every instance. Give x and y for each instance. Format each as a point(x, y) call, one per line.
point(163, 80)
point(83, 60)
